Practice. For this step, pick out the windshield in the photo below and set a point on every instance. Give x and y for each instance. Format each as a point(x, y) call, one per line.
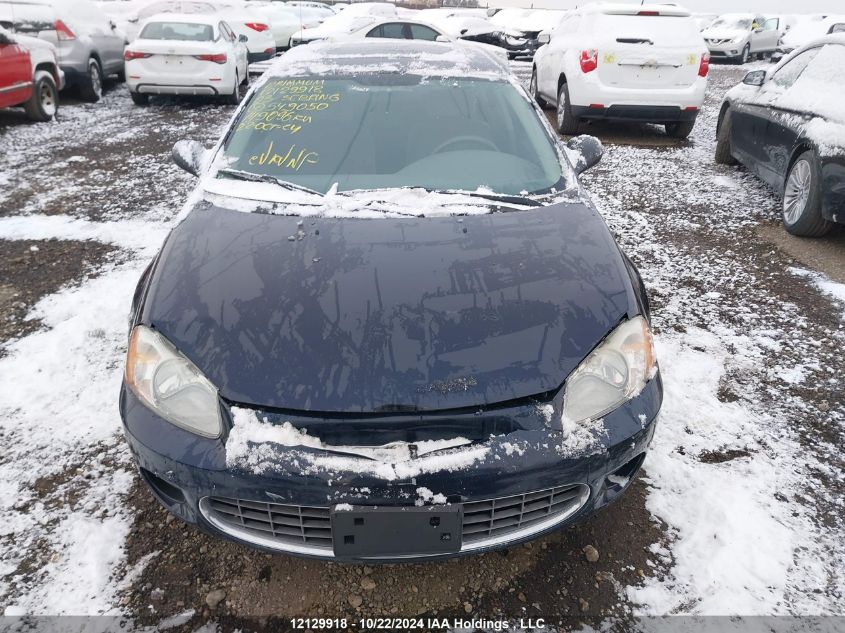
point(375, 132)
point(731, 24)
point(179, 31)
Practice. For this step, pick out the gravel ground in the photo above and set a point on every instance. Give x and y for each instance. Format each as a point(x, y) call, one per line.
point(91, 195)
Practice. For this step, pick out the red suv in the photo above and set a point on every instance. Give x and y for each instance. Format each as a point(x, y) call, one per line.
point(29, 75)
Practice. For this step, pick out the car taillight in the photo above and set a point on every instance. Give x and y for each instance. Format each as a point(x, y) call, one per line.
point(130, 55)
point(589, 60)
point(257, 26)
point(63, 33)
point(704, 66)
point(217, 58)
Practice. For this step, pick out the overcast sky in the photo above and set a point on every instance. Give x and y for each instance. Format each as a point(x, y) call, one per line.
point(703, 6)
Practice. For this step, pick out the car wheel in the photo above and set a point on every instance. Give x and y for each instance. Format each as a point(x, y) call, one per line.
point(92, 85)
point(681, 129)
point(44, 102)
point(139, 99)
point(235, 97)
point(723, 141)
point(802, 200)
point(566, 122)
point(535, 92)
point(746, 54)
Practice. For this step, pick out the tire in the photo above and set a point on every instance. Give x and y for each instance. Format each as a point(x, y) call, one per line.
point(44, 102)
point(681, 129)
point(745, 56)
point(566, 123)
point(139, 98)
point(235, 97)
point(245, 82)
point(91, 88)
point(723, 141)
point(535, 92)
point(802, 198)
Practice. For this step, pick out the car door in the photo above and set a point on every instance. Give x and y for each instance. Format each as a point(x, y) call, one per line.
point(815, 93)
point(760, 144)
point(552, 61)
point(238, 49)
point(15, 72)
point(769, 35)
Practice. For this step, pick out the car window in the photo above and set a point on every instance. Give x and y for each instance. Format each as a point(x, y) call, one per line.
point(387, 131)
point(818, 89)
point(26, 18)
point(837, 28)
point(422, 32)
point(228, 32)
point(788, 73)
point(771, 24)
point(178, 31)
point(393, 30)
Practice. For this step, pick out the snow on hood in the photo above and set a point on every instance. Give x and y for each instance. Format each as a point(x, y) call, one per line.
point(254, 445)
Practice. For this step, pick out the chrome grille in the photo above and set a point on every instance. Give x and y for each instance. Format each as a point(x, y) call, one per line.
point(492, 518)
point(284, 524)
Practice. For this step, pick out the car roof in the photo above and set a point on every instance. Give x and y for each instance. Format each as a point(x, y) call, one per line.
point(327, 59)
point(635, 9)
point(188, 18)
point(833, 38)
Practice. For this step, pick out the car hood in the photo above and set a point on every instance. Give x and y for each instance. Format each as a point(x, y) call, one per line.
point(378, 315)
point(722, 34)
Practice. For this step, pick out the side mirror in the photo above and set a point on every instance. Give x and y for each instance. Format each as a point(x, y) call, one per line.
point(587, 150)
point(491, 12)
point(189, 155)
point(544, 38)
point(442, 38)
point(755, 78)
point(243, 39)
point(112, 25)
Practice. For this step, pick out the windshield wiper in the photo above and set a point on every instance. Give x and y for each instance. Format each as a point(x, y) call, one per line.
point(496, 197)
point(239, 174)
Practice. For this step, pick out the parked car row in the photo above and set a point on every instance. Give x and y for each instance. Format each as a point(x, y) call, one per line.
point(89, 45)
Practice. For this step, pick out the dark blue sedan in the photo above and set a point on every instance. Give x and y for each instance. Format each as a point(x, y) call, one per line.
point(788, 127)
point(389, 324)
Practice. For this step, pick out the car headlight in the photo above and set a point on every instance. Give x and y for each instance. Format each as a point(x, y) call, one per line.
point(616, 371)
point(737, 39)
point(170, 384)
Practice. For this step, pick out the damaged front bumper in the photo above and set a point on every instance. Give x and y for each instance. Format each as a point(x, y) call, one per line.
point(522, 480)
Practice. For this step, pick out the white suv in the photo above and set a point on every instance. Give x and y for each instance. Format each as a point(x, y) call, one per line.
point(611, 61)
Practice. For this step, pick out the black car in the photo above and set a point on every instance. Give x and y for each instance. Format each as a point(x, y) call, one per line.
point(788, 127)
point(389, 324)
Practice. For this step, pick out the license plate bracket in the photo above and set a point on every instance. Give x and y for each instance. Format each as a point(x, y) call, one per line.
point(374, 531)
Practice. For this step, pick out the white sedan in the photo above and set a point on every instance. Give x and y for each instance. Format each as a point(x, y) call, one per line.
point(189, 54)
point(243, 20)
point(403, 29)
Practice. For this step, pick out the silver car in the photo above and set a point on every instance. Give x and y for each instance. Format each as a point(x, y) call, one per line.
point(90, 46)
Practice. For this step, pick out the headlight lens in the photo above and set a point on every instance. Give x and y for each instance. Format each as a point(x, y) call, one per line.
point(170, 384)
point(616, 371)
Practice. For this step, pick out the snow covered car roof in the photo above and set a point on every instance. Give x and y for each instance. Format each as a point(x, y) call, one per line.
point(412, 57)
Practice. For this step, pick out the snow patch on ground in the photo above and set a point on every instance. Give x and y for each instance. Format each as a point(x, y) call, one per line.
point(830, 288)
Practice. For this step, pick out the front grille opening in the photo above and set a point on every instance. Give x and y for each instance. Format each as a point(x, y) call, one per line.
point(296, 525)
point(288, 527)
point(169, 493)
point(498, 517)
